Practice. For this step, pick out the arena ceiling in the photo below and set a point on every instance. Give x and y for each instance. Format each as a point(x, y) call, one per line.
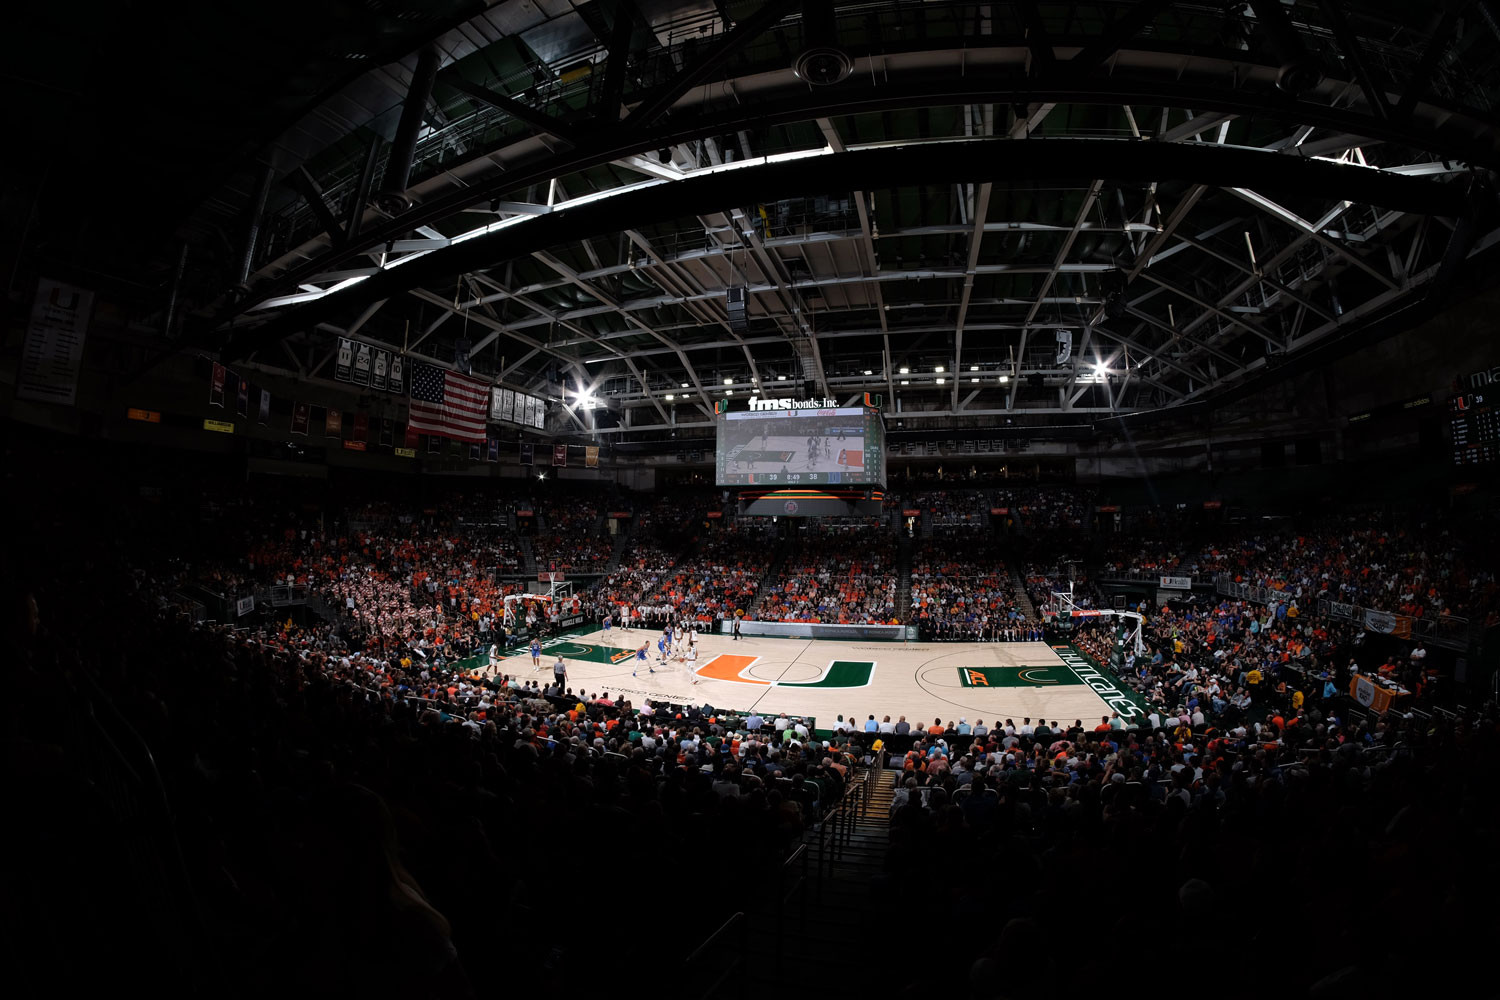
point(1199, 194)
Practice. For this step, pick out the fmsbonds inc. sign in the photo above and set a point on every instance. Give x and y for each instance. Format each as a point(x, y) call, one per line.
point(756, 403)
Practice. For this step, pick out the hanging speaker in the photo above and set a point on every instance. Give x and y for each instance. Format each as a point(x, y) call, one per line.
point(734, 304)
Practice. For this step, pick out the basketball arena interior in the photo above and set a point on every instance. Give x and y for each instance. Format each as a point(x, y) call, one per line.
point(734, 498)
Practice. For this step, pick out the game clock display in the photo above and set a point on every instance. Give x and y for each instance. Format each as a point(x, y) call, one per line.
point(1475, 428)
point(805, 447)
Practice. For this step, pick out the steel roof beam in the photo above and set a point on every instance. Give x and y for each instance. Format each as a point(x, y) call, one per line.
point(981, 209)
point(943, 162)
point(604, 297)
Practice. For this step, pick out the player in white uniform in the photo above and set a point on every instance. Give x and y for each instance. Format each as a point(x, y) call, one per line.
point(692, 661)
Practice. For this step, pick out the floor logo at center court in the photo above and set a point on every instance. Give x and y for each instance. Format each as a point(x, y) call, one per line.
point(838, 673)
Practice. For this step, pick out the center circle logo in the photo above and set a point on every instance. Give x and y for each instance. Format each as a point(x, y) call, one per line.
point(791, 507)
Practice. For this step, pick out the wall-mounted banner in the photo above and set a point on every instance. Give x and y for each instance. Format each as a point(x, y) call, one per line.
point(363, 360)
point(333, 423)
point(343, 368)
point(528, 454)
point(52, 354)
point(591, 456)
point(242, 398)
point(1177, 582)
point(382, 365)
point(216, 385)
point(396, 381)
point(299, 418)
point(559, 456)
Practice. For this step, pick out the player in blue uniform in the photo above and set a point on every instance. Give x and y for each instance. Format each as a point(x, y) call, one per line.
point(640, 657)
point(536, 655)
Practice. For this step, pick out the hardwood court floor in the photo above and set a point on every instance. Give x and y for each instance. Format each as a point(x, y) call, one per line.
point(826, 678)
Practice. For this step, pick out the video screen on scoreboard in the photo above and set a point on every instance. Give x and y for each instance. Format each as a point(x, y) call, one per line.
point(804, 447)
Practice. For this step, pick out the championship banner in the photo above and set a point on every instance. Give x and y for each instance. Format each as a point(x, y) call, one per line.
point(242, 398)
point(528, 454)
point(1388, 624)
point(52, 354)
point(382, 364)
point(591, 457)
point(264, 416)
point(494, 404)
point(333, 423)
point(362, 363)
point(494, 450)
point(343, 368)
point(432, 444)
point(216, 385)
point(361, 427)
point(387, 432)
point(396, 379)
point(299, 418)
point(559, 456)
point(474, 452)
point(507, 405)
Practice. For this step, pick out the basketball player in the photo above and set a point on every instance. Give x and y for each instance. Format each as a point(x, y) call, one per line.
point(640, 657)
point(661, 649)
point(692, 661)
point(536, 655)
point(607, 623)
point(494, 657)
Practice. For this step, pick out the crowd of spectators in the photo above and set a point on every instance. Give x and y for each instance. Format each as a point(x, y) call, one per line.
point(571, 537)
point(1175, 832)
point(321, 792)
point(835, 574)
point(716, 576)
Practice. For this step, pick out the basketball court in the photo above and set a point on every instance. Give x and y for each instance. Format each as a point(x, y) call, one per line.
point(826, 678)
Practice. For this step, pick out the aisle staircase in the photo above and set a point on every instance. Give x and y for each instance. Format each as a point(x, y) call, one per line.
point(528, 558)
point(772, 571)
point(903, 578)
point(826, 895)
point(1023, 599)
point(621, 540)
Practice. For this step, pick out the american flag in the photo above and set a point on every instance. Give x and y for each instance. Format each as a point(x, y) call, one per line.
point(448, 404)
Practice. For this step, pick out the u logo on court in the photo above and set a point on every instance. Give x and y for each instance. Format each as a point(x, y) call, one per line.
point(838, 673)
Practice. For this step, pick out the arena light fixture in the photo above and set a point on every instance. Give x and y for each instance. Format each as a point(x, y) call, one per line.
point(939, 368)
point(781, 378)
point(1004, 379)
point(906, 371)
point(906, 381)
point(869, 371)
point(973, 380)
point(973, 368)
point(729, 381)
point(684, 385)
point(669, 397)
point(941, 380)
